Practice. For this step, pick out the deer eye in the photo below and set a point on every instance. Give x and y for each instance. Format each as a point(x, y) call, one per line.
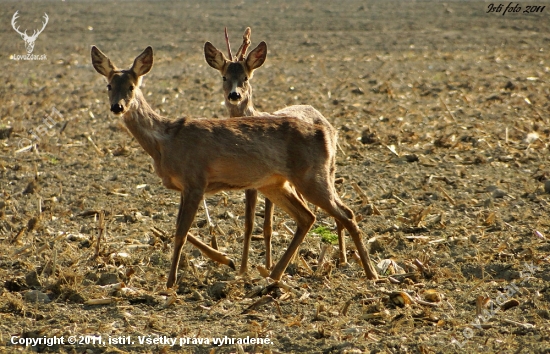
point(109, 87)
point(224, 78)
point(245, 78)
point(131, 88)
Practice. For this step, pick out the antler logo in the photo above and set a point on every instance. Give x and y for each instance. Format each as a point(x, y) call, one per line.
point(29, 40)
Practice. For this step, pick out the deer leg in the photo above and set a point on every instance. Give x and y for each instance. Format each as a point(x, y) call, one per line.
point(341, 243)
point(286, 198)
point(341, 240)
point(321, 193)
point(346, 217)
point(251, 198)
point(268, 231)
point(210, 252)
point(189, 204)
point(350, 225)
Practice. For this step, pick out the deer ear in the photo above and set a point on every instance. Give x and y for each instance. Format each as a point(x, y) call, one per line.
point(214, 57)
point(101, 63)
point(256, 57)
point(143, 62)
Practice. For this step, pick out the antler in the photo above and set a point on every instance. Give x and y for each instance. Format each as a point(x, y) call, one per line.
point(13, 19)
point(228, 46)
point(24, 34)
point(241, 53)
point(35, 33)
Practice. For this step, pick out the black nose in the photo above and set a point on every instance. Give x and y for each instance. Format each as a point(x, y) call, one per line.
point(116, 108)
point(234, 96)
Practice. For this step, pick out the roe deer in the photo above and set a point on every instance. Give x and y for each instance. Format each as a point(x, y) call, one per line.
point(237, 72)
point(200, 156)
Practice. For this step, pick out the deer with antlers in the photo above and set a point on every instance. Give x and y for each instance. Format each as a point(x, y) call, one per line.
point(29, 40)
point(201, 156)
point(236, 72)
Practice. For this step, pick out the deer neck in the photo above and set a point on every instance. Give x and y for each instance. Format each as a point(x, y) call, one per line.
point(245, 108)
point(145, 124)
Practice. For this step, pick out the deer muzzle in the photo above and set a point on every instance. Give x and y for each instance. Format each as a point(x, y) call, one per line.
point(234, 96)
point(117, 108)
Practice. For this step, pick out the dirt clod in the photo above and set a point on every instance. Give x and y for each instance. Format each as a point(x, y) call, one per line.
point(36, 296)
point(107, 279)
point(32, 279)
point(218, 290)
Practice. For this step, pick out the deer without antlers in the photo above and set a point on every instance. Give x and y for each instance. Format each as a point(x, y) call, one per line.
point(29, 40)
point(200, 156)
point(237, 72)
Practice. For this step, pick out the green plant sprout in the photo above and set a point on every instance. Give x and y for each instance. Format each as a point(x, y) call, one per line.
point(327, 236)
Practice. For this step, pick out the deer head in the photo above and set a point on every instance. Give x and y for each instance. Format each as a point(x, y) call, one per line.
point(236, 71)
point(29, 40)
point(122, 84)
